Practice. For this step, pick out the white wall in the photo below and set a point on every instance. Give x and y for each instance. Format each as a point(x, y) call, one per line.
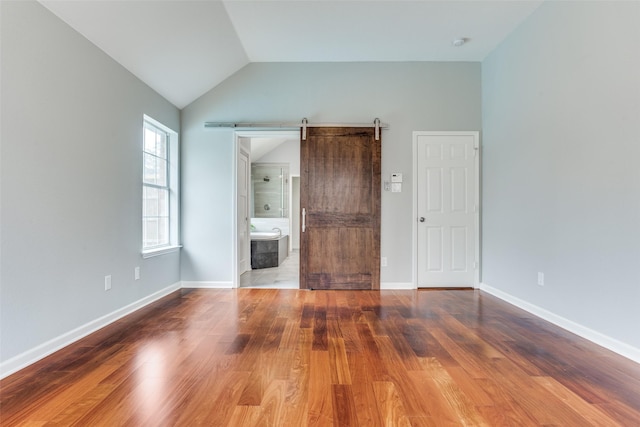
point(561, 125)
point(70, 173)
point(408, 96)
point(287, 152)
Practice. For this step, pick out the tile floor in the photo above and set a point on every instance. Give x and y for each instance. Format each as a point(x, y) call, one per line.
point(284, 277)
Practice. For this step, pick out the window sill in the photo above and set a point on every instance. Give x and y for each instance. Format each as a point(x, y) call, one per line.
point(160, 251)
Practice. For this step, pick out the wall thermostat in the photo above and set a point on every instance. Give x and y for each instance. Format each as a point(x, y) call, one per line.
point(396, 177)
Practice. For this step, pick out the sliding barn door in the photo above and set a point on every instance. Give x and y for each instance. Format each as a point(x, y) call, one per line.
point(340, 202)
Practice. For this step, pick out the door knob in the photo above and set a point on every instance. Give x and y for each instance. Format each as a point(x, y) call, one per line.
point(421, 219)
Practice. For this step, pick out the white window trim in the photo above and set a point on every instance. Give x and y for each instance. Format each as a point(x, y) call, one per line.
point(174, 192)
point(160, 251)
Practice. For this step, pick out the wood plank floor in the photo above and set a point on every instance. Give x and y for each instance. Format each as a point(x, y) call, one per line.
point(259, 357)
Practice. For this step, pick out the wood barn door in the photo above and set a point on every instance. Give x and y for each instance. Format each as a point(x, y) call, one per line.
point(340, 203)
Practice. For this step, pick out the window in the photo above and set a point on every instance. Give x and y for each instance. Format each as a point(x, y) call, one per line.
point(159, 188)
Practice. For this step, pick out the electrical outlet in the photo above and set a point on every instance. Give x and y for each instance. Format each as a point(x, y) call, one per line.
point(107, 282)
point(540, 279)
point(136, 273)
point(383, 261)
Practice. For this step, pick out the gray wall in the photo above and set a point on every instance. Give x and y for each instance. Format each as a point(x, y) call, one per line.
point(561, 126)
point(70, 173)
point(408, 96)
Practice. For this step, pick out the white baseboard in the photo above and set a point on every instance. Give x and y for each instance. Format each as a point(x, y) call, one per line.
point(208, 285)
point(605, 341)
point(29, 357)
point(396, 285)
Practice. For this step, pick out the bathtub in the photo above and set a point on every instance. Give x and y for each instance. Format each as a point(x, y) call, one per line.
point(265, 235)
point(268, 249)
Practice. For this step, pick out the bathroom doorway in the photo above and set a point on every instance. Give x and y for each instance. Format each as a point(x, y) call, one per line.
point(273, 215)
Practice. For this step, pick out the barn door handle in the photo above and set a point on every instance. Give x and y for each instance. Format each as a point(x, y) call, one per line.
point(421, 219)
point(304, 219)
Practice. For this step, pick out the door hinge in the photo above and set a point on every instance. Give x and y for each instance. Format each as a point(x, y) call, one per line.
point(475, 265)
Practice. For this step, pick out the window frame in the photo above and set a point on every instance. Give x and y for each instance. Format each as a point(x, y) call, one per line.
point(172, 188)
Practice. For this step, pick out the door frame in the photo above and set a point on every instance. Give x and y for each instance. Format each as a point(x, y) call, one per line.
point(414, 232)
point(291, 229)
point(272, 133)
point(240, 152)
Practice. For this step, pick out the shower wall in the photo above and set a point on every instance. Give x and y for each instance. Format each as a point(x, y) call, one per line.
point(270, 189)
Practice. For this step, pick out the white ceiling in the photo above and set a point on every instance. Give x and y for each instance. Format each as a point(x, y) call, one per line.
point(182, 49)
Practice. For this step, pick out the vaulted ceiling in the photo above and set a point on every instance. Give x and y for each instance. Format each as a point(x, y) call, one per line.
point(182, 49)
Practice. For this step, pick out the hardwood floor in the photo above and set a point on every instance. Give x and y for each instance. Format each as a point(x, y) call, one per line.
point(265, 357)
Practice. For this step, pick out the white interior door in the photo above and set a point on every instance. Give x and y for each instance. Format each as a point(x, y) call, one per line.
point(447, 209)
point(244, 239)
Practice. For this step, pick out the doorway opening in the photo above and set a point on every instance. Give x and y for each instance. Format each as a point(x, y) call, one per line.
point(268, 209)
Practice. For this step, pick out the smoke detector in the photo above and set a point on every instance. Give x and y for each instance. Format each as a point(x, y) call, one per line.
point(459, 41)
